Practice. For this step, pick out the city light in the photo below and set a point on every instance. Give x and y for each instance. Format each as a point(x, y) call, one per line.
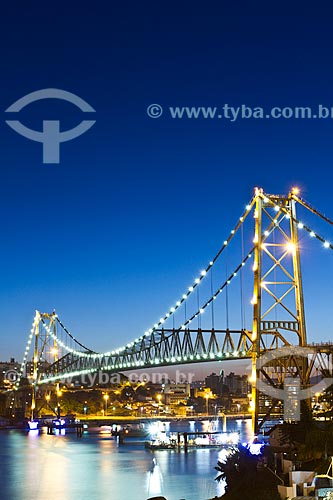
point(106, 398)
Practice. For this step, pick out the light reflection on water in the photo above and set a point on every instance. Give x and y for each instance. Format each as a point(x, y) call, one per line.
point(154, 480)
point(43, 467)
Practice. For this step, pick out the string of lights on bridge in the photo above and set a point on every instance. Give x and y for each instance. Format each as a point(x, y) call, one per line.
point(25, 357)
point(156, 326)
point(132, 344)
point(312, 233)
point(202, 275)
point(185, 296)
point(178, 303)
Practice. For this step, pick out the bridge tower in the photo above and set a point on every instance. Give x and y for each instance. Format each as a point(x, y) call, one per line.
point(45, 348)
point(51, 342)
point(278, 305)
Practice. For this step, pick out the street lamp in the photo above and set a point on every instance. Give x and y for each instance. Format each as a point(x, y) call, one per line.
point(59, 394)
point(159, 397)
point(106, 397)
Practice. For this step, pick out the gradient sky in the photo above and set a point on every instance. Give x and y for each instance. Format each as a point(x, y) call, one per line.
point(113, 235)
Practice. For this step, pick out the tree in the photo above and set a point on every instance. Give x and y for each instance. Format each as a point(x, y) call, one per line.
point(240, 465)
point(241, 473)
point(127, 393)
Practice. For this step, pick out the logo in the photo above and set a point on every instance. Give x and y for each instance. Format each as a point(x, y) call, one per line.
point(11, 376)
point(50, 137)
point(291, 394)
point(154, 111)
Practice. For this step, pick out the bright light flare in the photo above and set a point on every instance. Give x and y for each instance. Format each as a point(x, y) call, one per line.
point(291, 247)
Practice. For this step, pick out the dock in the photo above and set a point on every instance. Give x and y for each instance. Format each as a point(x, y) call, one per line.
point(78, 428)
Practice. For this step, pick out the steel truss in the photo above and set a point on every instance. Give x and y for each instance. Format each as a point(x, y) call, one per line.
point(167, 347)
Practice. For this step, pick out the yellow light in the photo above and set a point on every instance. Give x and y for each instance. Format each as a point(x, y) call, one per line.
point(295, 190)
point(106, 397)
point(47, 397)
point(291, 247)
point(54, 351)
point(59, 393)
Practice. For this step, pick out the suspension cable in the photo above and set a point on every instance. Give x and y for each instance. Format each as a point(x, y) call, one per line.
point(217, 292)
point(307, 205)
point(313, 234)
point(72, 337)
point(198, 280)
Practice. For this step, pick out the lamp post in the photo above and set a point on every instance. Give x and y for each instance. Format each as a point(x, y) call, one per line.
point(159, 397)
point(317, 397)
point(106, 397)
point(59, 394)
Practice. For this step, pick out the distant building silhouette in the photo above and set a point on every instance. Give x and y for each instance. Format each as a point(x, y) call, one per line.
point(215, 383)
point(237, 384)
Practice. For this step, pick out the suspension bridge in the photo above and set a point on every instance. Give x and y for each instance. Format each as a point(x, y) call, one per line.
point(192, 330)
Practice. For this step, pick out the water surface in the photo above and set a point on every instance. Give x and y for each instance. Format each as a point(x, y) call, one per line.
point(42, 467)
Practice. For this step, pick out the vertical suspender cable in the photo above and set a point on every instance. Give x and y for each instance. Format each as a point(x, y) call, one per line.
point(242, 282)
point(198, 304)
point(212, 292)
point(227, 293)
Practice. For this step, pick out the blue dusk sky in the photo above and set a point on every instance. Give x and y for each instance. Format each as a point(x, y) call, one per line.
point(112, 235)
